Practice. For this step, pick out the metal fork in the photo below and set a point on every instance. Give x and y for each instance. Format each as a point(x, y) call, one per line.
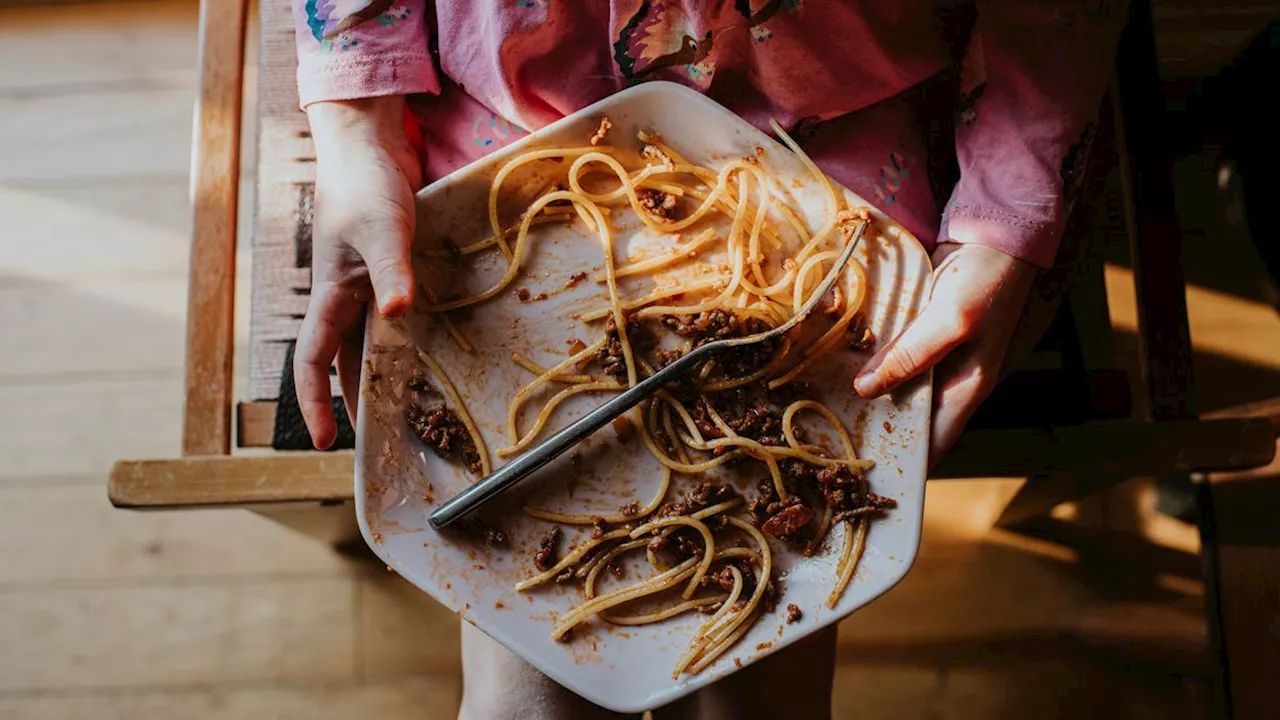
point(470, 499)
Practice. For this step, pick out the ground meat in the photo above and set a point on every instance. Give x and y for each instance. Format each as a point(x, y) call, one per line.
point(704, 327)
point(482, 531)
point(419, 384)
point(610, 356)
point(618, 567)
point(658, 203)
point(680, 544)
point(793, 613)
point(713, 325)
point(574, 280)
point(750, 414)
point(846, 493)
point(721, 576)
point(602, 131)
point(871, 504)
point(848, 220)
point(703, 495)
point(788, 521)
point(599, 527)
point(655, 154)
point(545, 557)
point(702, 419)
point(862, 338)
point(442, 431)
point(523, 295)
point(841, 488)
point(631, 509)
point(758, 506)
point(837, 299)
point(798, 475)
point(747, 360)
point(624, 428)
point(663, 358)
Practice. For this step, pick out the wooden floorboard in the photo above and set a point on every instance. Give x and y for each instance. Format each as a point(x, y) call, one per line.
point(400, 699)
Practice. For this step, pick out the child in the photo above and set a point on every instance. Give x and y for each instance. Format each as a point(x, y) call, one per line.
point(402, 93)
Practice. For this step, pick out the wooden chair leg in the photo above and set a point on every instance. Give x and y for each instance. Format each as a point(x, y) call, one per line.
point(1156, 247)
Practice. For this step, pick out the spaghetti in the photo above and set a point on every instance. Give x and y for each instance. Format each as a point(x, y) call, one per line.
point(739, 259)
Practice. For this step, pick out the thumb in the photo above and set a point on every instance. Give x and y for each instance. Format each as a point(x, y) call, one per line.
point(384, 245)
point(926, 340)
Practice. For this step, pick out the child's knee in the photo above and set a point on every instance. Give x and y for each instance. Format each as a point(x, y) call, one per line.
point(498, 685)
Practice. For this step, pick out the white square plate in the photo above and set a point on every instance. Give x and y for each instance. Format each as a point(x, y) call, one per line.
point(398, 482)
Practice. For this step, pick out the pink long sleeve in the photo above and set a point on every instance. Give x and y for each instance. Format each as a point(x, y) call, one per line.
point(362, 48)
point(1034, 78)
point(841, 78)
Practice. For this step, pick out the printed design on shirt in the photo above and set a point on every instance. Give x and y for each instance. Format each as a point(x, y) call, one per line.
point(489, 130)
point(1072, 170)
point(659, 36)
point(396, 14)
point(757, 18)
point(340, 43)
point(528, 4)
point(892, 177)
point(328, 20)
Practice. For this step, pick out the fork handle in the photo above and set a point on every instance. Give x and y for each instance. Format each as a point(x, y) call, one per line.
point(553, 447)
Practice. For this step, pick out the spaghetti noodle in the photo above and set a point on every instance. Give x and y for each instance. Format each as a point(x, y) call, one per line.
point(706, 547)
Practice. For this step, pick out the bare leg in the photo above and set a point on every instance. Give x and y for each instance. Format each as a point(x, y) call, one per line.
point(497, 685)
point(794, 684)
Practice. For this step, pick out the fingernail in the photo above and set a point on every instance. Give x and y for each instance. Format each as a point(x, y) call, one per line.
point(395, 302)
point(864, 385)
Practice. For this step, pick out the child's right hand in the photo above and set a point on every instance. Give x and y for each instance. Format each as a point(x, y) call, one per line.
point(366, 174)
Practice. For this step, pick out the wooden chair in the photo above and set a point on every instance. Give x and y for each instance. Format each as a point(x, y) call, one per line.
point(1087, 445)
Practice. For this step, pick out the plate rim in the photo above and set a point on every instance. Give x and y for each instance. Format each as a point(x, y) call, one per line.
point(680, 687)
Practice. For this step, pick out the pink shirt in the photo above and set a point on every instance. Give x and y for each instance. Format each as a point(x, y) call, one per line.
point(834, 72)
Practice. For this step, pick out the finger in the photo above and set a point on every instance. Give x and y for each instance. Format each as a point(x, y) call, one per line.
point(350, 354)
point(926, 340)
point(318, 341)
point(384, 244)
point(959, 390)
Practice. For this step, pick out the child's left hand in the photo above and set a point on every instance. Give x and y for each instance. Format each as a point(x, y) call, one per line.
point(965, 329)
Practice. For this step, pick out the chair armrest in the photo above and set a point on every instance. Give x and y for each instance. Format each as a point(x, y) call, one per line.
point(215, 176)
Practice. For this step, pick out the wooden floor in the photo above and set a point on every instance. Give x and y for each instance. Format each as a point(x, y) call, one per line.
point(107, 614)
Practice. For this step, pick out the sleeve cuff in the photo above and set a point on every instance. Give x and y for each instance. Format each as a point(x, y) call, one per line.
point(1033, 241)
point(405, 74)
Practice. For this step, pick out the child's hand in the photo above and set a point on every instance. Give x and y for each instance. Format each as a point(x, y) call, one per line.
point(366, 173)
point(977, 301)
